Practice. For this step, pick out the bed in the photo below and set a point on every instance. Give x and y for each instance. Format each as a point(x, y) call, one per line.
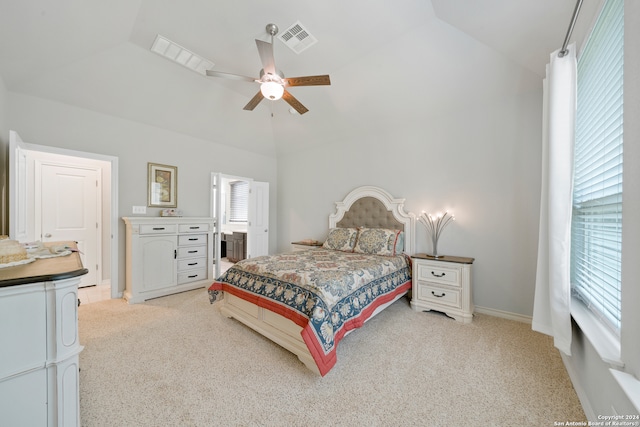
point(307, 301)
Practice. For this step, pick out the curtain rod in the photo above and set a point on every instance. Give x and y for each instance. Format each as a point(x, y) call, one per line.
point(564, 50)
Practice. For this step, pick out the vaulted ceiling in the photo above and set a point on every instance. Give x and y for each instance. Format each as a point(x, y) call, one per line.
point(95, 54)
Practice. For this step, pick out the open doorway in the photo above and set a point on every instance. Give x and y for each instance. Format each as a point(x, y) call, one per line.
point(240, 207)
point(30, 166)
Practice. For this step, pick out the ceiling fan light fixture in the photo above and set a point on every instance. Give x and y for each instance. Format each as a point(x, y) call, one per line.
point(272, 90)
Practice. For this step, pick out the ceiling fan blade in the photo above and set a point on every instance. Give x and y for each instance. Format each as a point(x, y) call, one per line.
point(254, 101)
point(265, 50)
point(308, 81)
point(213, 73)
point(301, 109)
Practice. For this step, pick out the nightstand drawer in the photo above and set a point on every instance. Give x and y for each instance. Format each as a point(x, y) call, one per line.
point(439, 295)
point(432, 272)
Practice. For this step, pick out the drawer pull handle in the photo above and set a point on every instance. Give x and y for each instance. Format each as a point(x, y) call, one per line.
point(193, 263)
point(158, 228)
point(437, 296)
point(438, 275)
point(194, 228)
point(192, 252)
point(191, 277)
point(193, 238)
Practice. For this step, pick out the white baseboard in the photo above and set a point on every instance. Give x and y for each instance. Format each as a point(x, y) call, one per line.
point(577, 386)
point(503, 314)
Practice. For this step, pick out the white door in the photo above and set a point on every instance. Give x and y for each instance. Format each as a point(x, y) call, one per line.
point(258, 229)
point(216, 214)
point(17, 188)
point(69, 212)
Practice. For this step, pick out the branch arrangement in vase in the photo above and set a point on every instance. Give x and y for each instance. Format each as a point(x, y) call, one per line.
point(434, 226)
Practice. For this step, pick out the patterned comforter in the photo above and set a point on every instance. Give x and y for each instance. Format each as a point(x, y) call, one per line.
point(326, 292)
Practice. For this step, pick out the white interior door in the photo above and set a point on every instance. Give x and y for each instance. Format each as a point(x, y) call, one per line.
point(216, 214)
point(69, 212)
point(258, 229)
point(18, 188)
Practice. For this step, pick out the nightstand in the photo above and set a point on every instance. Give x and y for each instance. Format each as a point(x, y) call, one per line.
point(305, 245)
point(443, 284)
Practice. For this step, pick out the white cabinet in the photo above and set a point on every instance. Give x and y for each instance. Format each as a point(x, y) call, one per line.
point(39, 348)
point(443, 284)
point(167, 255)
point(157, 262)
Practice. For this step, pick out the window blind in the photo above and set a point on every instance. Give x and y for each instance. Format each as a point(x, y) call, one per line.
point(597, 194)
point(239, 201)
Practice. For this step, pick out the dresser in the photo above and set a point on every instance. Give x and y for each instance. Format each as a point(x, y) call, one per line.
point(443, 284)
point(167, 255)
point(39, 344)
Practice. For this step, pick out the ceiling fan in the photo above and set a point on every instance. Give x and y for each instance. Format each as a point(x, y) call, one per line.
point(273, 84)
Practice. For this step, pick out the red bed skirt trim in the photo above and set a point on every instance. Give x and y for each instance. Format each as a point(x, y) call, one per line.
point(324, 361)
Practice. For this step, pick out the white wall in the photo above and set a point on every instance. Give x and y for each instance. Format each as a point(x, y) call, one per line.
point(464, 136)
point(44, 122)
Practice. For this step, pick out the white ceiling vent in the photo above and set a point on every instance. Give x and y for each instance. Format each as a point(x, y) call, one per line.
point(297, 38)
point(173, 51)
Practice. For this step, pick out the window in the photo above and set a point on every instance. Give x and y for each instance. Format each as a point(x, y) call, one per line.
point(239, 201)
point(596, 227)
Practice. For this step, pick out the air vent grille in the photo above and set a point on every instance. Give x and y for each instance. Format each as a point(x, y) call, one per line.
point(176, 53)
point(297, 38)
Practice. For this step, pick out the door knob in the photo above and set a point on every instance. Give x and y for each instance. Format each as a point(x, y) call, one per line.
point(47, 235)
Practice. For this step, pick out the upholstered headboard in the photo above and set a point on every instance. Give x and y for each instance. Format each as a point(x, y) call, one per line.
point(369, 212)
point(373, 207)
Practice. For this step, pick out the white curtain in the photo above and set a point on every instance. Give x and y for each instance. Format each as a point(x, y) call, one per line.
point(552, 303)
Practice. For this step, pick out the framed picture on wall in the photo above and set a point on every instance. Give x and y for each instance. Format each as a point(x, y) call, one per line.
point(163, 186)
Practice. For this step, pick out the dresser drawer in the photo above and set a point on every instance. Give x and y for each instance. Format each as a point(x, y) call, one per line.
point(158, 228)
point(192, 239)
point(192, 276)
point(193, 228)
point(191, 263)
point(432, 272)
point(192, 251)
point(438, 295)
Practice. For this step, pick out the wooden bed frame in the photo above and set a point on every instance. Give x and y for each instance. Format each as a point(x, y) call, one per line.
point(365, 206)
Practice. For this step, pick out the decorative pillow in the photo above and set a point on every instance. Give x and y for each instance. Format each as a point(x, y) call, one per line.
point(377, 241)
point(341, 239)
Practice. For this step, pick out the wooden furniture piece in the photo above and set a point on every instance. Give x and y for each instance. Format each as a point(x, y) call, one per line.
point(167, 255)
point(366, 206)
point(305, 245)
point(443, 284)
point(236, 246)
point(39, 345)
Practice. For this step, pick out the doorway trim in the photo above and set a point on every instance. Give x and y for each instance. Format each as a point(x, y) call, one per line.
point(113, 217)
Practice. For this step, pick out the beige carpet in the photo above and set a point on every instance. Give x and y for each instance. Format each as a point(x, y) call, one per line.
point(175, 361)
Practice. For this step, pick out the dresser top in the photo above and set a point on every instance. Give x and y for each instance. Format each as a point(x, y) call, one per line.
point(44, 270)
point(165, 219)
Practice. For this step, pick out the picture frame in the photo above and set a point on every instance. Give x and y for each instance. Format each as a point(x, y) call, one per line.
point(162, 183)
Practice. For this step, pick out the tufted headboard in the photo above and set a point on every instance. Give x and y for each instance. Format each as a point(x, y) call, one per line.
point(369, 212)
point(373, 207)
